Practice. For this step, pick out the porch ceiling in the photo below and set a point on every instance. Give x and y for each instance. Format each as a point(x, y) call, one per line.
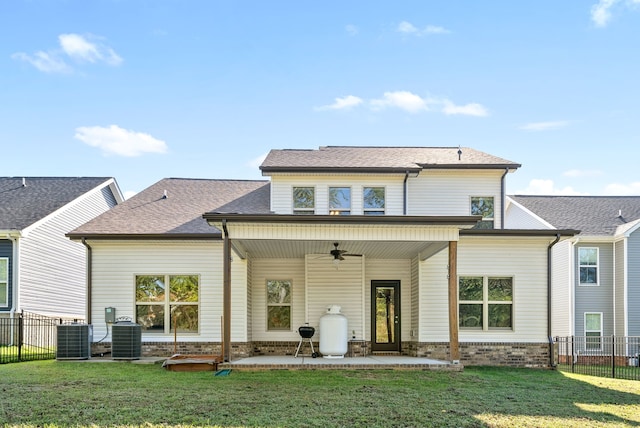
point(287, 249)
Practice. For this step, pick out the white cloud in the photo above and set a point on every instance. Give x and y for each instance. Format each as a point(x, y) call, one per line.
point(547, 187)
point(600, 12)
point(255, 163)
point(73, 47)
point(44, 61)
point(343, 103)
point(118, 141)
point(577, 173)
point(472, 109)
point(409, 102)
point(129, 193)
point(406, 27)
point(544, 126)
point(623, 189)
point(352, 29)
point(81, 49)
point(403, 100)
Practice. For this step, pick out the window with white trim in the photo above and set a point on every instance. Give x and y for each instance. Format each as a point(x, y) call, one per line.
point(588, 265)
point(485, 303)
point(167, 302)
point(278, 304)
point(339, 200)
point(4, 281)
point(304, 200)
point(484, 206)
point(593, 330)
point(373, 200)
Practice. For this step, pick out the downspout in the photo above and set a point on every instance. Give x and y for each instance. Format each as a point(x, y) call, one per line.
point(14, 281)
point(226, 294)
point(551, 361)
point(404, 193)
point(89, 279)
point(502, 192)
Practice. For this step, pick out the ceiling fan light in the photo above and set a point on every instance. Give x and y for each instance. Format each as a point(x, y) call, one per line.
point(336, 262)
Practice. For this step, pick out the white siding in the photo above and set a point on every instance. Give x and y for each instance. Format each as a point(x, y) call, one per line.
point(522, 258)
point(447, 193)
point(115, 265)
point(52, 267)
point(285, 269)
point(515, 217)
point(562, 289)
point(282, 191)
point(328, 286)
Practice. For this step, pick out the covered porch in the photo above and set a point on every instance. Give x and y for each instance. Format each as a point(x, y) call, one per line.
point(343, 260)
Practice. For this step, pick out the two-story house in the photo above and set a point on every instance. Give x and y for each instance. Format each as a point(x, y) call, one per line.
point(596, 276)
point(41, 270)
point(409, 242)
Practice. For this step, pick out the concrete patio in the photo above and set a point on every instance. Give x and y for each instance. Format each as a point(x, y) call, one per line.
point(377, 362)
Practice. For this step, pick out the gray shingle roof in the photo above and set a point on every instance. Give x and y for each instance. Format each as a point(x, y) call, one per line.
point(380, 158)
point(21, 206)
point(180, 213)
point(592, 215)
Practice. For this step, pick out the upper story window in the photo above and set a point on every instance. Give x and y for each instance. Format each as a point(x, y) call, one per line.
point(483, 205)
point(278, 304)
point(339, 200)
point(4, 281)
point(373, 200)
point(167, 301)
point(304, 201)
point(588, 260)
point(485, 303)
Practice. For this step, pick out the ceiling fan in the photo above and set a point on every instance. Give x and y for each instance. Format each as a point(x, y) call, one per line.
point(339, 254)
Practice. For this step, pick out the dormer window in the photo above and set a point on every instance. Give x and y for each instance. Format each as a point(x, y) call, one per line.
point(339, 200)
point(304, 201)
point(483, 205)
point(373, 200)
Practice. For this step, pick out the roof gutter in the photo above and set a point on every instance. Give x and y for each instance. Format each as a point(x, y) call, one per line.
point(89, 279)
point(551, 359)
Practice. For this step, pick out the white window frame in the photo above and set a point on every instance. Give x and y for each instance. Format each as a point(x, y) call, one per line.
point(486, 302)
point(597, 266)
point(168, 303)
point(302, 211)
point(368, 211)
point(5, 281)
point(278, 304)
point(600, 332)
point(340, 211)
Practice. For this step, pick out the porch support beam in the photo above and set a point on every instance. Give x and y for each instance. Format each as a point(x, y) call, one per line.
point(226, 295)
point(454, 346)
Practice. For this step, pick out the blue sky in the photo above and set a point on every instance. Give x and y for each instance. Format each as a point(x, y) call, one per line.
point(142, 90)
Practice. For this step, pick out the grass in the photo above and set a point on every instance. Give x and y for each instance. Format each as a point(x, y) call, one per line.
point(9, 354)
point(73, 394)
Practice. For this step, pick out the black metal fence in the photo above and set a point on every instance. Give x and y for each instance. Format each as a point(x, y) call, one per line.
point(28, 337)
point(604, 356)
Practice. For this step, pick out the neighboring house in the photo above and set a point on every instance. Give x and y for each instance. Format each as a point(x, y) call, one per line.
point(596, 276)
point(41, 271)
point(408, 241)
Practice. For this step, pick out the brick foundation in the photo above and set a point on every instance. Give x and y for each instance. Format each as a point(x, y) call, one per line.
point(489, 353)
point(471, 354)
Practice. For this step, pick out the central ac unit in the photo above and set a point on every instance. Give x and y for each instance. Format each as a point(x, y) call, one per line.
point(74, 341)
point(126, 341)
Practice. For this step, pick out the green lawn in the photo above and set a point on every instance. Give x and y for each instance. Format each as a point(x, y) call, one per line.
point(66, 394)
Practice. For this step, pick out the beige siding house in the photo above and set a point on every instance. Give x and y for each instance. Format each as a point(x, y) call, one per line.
point(409, 242)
